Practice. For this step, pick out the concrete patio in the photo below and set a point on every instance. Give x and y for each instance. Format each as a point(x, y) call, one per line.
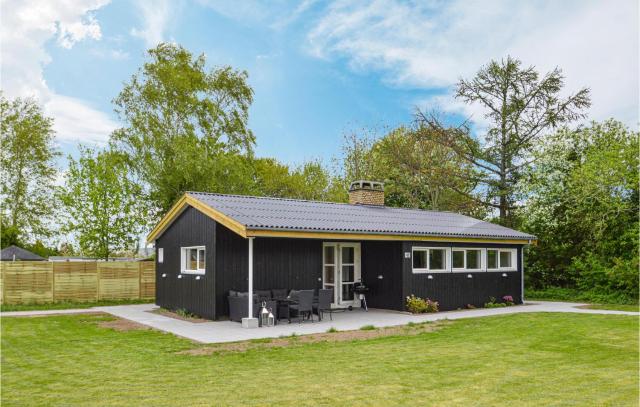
point(227, 331)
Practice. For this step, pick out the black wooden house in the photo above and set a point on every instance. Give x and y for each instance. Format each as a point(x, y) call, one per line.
point(210, 244)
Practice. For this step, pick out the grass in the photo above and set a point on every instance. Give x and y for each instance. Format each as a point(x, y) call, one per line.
point(68, 305)
point(520, 359)
point(614, 307)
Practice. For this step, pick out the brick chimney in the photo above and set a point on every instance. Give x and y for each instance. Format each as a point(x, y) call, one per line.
point(366, 193)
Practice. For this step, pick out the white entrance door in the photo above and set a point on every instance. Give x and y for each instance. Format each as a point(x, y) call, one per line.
point(341, 270)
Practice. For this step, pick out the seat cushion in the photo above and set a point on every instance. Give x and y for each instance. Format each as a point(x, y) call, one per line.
point(263, 295)
point(233, 293)
point(279, 293)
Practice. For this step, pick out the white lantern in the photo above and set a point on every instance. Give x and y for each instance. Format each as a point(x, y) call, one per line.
point(264, 315)
point(271, 318)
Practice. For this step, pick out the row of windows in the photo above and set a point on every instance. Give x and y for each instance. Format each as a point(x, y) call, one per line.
point(445, 259)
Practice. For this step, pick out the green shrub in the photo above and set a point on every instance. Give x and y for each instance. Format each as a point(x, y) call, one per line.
point(332, 330)
point(493, 304)
point(575, 295)
point(432, 306)
point(417, 305)
point(185, 314)
point(367, 328)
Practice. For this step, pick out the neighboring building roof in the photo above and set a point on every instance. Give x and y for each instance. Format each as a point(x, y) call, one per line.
point(260, 216)
point(12, 253)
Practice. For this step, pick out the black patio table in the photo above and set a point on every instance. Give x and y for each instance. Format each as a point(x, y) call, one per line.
point(286, 303)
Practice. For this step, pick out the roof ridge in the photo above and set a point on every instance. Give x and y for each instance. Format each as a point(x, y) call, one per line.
point(327, 202)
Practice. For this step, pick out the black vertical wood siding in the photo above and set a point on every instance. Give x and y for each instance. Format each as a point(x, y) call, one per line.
point(456, 290)
point(297, 264)
point(191, 228)
point(277, 263)
point(382, 258)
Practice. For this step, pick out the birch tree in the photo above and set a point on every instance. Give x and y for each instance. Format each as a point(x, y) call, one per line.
point(27, 167)
point(104, 207)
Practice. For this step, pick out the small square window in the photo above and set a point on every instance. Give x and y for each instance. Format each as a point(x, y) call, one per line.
point(457, 258)
point(437, 259)
point(193, 260)
point(505, 259)
point(160, 255)
point(473, 259)
point(419, 259)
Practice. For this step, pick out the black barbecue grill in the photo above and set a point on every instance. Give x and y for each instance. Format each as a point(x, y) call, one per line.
point(360, 289)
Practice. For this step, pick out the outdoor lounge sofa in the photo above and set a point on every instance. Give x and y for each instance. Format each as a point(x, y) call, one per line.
point(239, 306)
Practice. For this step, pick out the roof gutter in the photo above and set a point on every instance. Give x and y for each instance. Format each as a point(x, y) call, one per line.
point(301, 234)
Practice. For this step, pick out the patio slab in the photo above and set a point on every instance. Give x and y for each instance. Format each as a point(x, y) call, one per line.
point(227, 331)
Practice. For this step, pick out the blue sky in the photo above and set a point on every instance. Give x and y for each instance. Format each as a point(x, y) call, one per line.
point(318, 69)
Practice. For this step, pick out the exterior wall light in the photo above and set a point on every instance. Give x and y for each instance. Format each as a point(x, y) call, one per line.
point(469, 276)
point(197, 277)
point(380, 277)
point(429, 277)
point(504, 274)
point(164, 275)
point(179, 275)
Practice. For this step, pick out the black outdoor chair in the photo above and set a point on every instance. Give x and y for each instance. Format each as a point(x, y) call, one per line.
point(279, 293)
point(304, 306)
point(325, 297)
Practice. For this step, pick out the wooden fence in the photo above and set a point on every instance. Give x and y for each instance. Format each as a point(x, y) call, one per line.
point(24, 282)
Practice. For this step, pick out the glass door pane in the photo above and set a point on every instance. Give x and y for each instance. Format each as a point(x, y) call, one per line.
point(347, 292)
point(329, 274)
point(347, 273)
point(329, 266)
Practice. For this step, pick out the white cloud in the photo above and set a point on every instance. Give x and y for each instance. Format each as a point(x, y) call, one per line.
point(75, 121)
point(433, 44)
point(25, 28)
point(155, 17)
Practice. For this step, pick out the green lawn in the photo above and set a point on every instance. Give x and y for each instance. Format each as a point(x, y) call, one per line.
point(614, 307)
point(68, 305)
point(520, 359)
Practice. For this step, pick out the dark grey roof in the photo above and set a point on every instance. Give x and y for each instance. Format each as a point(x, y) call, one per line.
point(313, 216)
point(8, 253)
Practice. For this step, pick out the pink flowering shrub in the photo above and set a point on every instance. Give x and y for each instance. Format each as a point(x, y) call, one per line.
point(508, 299)
point(417, 305)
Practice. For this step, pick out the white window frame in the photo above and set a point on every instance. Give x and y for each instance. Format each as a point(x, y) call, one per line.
point(183, 258)
point(465, 269)
point(428, 270)
point(514, 259)
point(160, 255)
